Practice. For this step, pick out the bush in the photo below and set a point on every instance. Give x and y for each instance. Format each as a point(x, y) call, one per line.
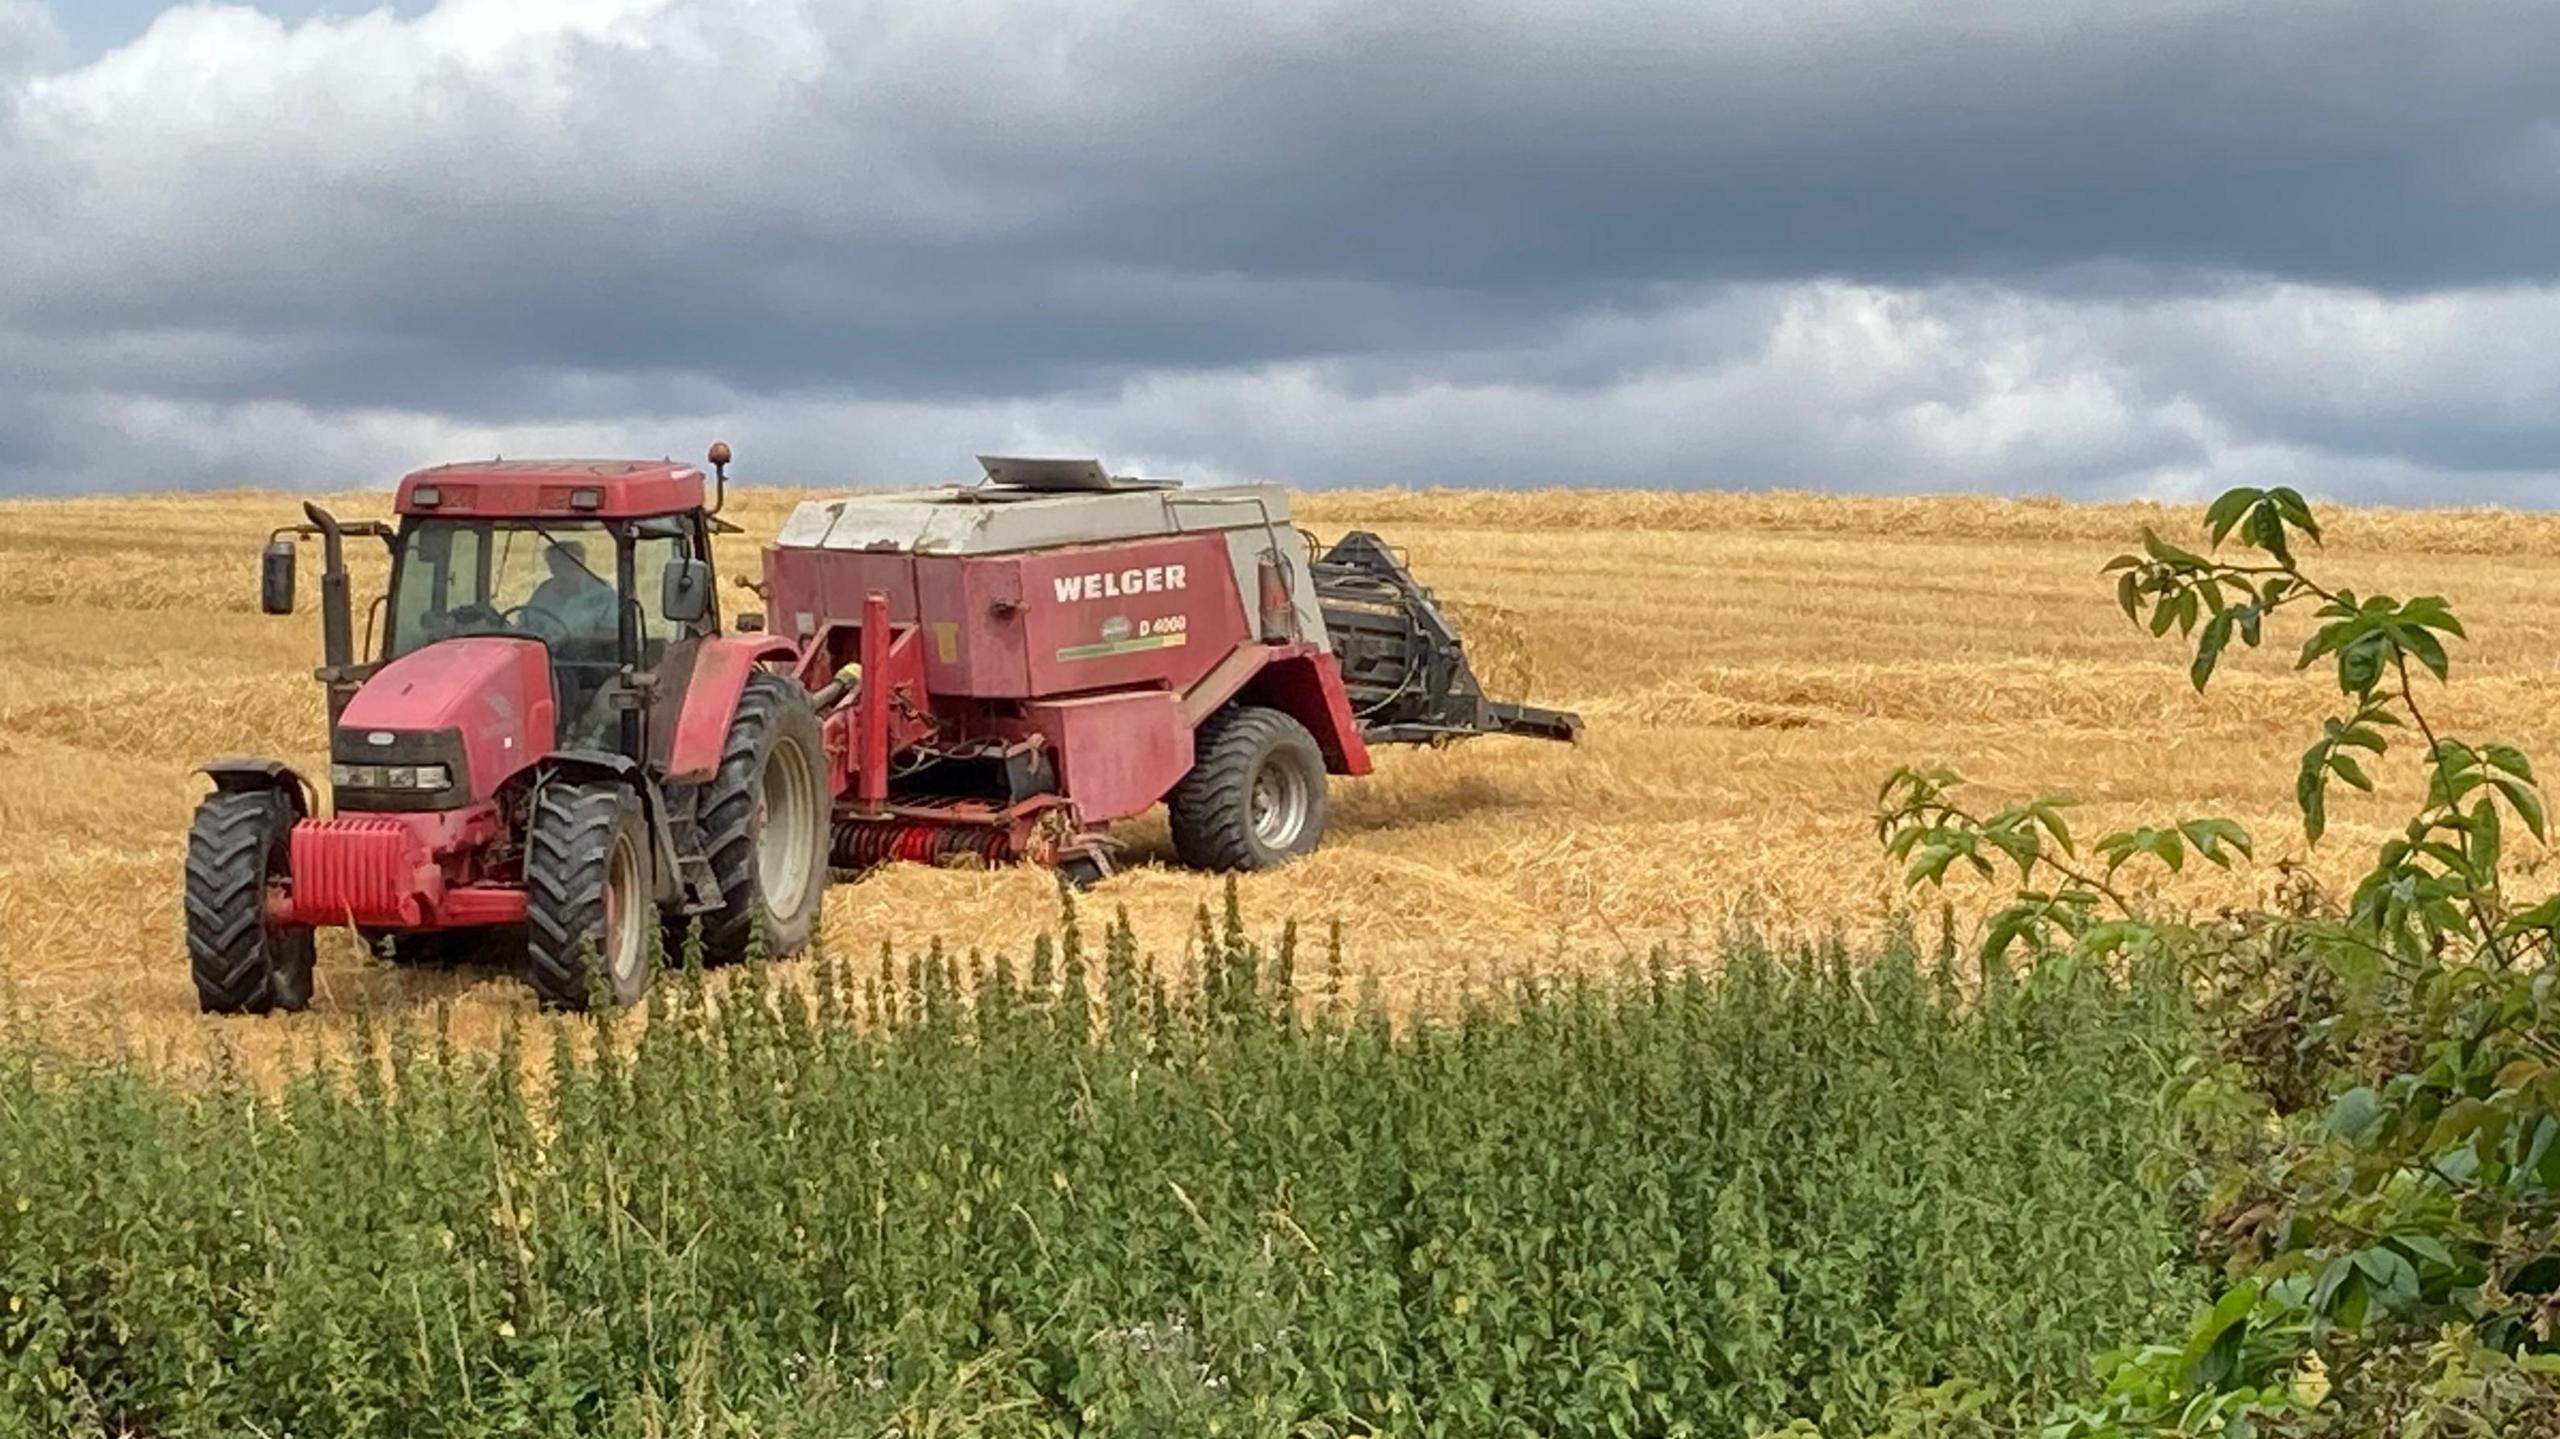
point(2381, 1118)
point(1093, 1200)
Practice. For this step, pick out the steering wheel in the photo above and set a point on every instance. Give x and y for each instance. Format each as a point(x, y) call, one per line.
point(539, 622)
point(471, 617)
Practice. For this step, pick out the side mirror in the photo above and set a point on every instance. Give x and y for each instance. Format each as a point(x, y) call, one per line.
point(275, 577)
point(685, 594)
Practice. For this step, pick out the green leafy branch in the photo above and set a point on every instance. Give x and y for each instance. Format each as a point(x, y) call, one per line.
point(2437, 884)
point(2396, 1246)
point(2060, 896)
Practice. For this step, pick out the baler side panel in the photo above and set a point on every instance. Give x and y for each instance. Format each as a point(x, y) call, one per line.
point(970, 625)
point(1117, 753)
point(986, 629)
point(1159, 612)
point(808, 589)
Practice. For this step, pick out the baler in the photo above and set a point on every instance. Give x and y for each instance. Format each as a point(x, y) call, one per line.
point(549, 750)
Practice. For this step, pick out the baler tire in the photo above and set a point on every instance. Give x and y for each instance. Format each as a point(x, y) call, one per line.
point(774, 726)
point(241, 963)
point(1237, 752)
point(587, 895)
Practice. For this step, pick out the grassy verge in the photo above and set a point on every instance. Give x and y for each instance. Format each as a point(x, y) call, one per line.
point(1088, 1198)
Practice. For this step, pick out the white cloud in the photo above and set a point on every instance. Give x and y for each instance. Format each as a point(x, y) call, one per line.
point(1634, 243)
point(30, 41)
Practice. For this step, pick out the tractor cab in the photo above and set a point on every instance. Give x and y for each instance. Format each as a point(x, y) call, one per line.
point(605, 563)
point(536, 600)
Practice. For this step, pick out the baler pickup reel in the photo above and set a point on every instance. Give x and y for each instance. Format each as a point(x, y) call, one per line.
point(1403, 664)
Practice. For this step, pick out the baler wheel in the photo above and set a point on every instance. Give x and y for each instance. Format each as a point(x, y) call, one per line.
point(1255, 795)
point(242, 963)
point(588, 898)
point(764, 824)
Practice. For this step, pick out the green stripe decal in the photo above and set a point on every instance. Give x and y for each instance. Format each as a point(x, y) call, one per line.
point(1121, 647)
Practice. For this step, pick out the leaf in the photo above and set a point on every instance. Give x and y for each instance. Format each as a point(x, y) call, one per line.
point(2484, 848)
point(2394, 1280)
point(2209, 647)
point(2228, 1316)
point(2215, 838)
point(2226, 511)
point(2428, 649)
point(2169, 554)
point(2519, 1073)
point(2171, 849)
point(2430, 611)
point(2508, 758)
point(2332, 1279)
point(2327, 639)
point(2288, 503)
point(2360, 663)
point(2048, 813)
point(2527, 804)
point(2265, 529)
point(2354, 1112)
point(2426, 1247)
point(2311, 791)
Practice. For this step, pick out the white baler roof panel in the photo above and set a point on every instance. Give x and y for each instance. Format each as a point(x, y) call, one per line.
point(994, 519)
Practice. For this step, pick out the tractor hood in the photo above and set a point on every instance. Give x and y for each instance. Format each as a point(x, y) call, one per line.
point(489, 694)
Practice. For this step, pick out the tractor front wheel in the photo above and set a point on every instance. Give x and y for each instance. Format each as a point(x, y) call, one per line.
point(242, 961)
point(589, 903)
point(764, 825)
point(1254, 797)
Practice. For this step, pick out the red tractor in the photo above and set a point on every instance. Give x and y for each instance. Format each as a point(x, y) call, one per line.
point(549, 743)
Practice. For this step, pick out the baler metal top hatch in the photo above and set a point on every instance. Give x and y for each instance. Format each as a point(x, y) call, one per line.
point(1402, 659)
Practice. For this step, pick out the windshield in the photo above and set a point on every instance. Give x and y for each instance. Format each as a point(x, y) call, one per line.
point(551, 580)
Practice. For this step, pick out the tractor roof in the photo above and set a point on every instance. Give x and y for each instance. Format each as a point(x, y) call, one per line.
point(572, 489)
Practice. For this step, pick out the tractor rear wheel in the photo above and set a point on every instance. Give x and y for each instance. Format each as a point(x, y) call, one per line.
point(241, 960)
point(1254, 797)
point(589, 903)
point(764, 825)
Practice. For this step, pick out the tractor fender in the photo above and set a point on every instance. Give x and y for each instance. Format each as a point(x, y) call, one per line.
point(720, 671)
point(252, 776)
point(595, 765)
point(1306, 685)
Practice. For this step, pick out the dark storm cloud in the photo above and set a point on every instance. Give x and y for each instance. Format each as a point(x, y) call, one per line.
point(2023, 243)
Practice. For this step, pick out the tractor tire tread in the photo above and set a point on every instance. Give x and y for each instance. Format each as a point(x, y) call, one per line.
point(238, 964)
point(727, 820)
point(567, 854)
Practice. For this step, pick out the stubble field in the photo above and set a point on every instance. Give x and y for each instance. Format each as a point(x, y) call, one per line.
point(1749, 667)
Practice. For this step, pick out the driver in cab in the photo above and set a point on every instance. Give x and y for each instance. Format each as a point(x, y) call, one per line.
point(573, 603)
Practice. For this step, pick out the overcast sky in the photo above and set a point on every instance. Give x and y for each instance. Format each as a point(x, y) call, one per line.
point(2080, 247)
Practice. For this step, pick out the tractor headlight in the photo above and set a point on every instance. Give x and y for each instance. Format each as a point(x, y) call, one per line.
point(399, 770)
point(421, 779)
